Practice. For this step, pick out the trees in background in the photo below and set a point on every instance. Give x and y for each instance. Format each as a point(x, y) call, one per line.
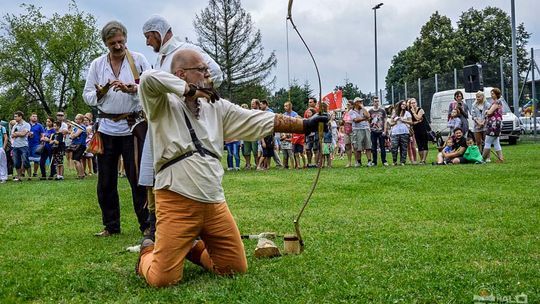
point(226, 32)
point(486, 35)
point(481, 36)
point(43, 60)
point(299, 95)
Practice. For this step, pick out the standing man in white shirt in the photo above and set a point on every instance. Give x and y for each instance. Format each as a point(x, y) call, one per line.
point(21, 151)
point(159, 36)
point(188, 125)
point(112, 86)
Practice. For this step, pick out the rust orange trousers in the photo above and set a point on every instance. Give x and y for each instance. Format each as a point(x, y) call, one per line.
point(180, 221)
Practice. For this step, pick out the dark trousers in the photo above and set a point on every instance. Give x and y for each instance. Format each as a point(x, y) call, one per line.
point(378, 138)
point(107, 185)
point(400, 141)
point(46, 154)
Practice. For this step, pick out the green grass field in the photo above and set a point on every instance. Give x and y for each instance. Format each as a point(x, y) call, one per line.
point(413, 234)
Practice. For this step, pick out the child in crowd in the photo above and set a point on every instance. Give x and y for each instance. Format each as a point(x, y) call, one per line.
point(449, 146)
point(454, 121)
point(267, 146)
point(328, 149)
point(287, 149)
point(341, 141)
point(57, 144)
point(68, 154)
point(87, 156)
point(298, 141)
point(447, 149)
point(472, 154)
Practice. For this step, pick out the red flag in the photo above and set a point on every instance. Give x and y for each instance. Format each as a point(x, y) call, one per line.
point(334, 100)
point(329, 100)
point(338, 99)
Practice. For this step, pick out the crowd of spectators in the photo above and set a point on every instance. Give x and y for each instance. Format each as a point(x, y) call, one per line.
point(46, 146)
point(402, 130)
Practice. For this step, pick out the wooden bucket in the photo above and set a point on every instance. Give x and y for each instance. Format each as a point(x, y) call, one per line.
point(291, 244)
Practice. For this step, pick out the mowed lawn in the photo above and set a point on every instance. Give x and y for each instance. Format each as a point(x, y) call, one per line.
point(413, 234)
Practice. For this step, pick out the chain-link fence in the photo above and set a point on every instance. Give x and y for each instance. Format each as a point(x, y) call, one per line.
point(494, 74)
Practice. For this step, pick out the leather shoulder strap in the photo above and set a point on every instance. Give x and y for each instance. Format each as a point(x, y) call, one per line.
point(132, 66)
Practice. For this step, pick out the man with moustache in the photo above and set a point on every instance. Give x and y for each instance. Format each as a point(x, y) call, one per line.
point(189, 123)
point(159, 36)
point(112, 87)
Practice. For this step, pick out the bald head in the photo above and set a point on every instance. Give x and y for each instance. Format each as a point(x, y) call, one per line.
point(190, 66)
point(186, 59)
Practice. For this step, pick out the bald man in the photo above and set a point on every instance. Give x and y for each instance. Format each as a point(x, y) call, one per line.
point(159, 36)
point(189, 123)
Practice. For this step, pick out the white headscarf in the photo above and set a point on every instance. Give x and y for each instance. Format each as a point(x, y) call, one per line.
point(157, 23)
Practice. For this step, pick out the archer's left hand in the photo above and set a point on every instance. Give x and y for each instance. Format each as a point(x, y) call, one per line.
point(311, 124)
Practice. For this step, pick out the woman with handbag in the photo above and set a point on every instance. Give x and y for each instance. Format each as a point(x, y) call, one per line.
point(420, 129)
point(78, 144)
point(493, 125)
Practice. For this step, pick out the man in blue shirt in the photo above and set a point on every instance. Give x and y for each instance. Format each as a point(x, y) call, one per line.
point(34, 138)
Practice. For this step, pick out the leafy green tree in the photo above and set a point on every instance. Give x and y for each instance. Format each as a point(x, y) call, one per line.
point(299, 96)
point(225, 31)
point(486, 35)
point(481, 36)
point(41, 59)
point(247, 93)
point(350, 90)
point(436, 50)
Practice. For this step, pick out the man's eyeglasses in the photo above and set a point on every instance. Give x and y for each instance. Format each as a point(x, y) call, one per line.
point(203, 70)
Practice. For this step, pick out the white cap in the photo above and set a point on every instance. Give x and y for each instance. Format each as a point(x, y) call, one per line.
point(156, 23)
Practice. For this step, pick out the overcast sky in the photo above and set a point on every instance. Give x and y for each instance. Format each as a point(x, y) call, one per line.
point(340, 33)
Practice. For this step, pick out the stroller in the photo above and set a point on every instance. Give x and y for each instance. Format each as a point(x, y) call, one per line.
point(437, 139)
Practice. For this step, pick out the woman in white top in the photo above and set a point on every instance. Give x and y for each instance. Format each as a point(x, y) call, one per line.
point(401, 122)
point(479, 109)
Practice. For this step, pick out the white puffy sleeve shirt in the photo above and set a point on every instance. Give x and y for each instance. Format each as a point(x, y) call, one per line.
point(100, 73)
point(196, 177)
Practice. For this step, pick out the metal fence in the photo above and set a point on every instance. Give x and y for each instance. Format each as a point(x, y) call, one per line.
point(494, 74)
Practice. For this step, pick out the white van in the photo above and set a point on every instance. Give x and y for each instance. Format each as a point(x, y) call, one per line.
point(440, 102)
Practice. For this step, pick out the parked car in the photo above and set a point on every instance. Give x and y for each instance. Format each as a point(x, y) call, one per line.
point(511, 125)
point(528, 124)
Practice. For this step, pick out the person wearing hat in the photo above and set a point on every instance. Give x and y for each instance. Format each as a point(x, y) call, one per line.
point(159, 36)
point(361, 138)
point(112, 87)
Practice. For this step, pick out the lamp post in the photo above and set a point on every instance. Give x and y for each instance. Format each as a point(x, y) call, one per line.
point(514, 62)
point(375, 8)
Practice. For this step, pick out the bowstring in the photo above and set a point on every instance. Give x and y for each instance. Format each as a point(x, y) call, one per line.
point(316, 180)
point(288, 62)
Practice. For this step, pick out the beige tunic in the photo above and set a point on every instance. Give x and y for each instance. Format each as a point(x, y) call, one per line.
point(195, 177)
